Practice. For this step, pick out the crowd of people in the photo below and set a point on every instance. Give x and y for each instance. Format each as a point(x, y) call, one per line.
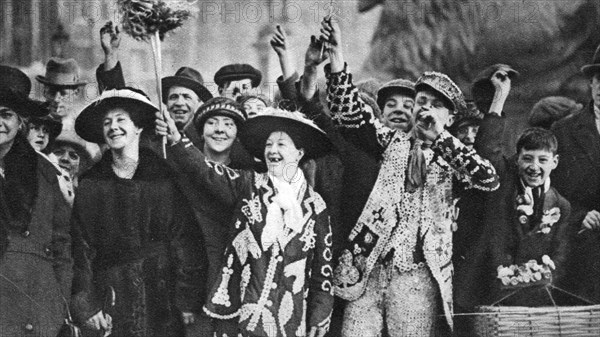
point(357, 209)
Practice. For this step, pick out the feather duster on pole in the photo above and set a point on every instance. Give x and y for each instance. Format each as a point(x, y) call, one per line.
point(151, 20)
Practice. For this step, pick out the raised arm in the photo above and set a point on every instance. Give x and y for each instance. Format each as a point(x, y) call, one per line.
point(109, 74)
point(358, 124)
point(313, 58)
point(289, 76)
point(489, 142)
point(224, 183)
point(281, 48)
point(472, 170)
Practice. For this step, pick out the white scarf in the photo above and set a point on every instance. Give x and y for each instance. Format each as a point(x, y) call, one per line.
point(284, 215)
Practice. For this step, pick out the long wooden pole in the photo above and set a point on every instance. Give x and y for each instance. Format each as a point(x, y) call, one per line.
point(156, 52)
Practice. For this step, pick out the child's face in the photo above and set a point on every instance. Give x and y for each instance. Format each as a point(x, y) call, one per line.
point(535, 166)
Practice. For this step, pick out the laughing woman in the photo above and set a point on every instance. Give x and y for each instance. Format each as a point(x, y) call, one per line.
point(127, 220)
point(276, 276)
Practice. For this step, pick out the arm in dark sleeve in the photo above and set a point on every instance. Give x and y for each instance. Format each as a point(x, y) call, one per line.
point(472, 170)
point(110, 79)
point(222, 182)
point(562, 240)
point(189, 260)
point(84, 300)
point(288, 87)
point(490, 139)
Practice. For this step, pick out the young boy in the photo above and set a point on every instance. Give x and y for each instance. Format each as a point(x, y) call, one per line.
point(526, 231)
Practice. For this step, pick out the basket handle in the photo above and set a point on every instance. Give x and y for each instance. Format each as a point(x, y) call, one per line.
point(574, 296)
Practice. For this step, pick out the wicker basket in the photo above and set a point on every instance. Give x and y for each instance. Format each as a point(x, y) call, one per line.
point(575, 321)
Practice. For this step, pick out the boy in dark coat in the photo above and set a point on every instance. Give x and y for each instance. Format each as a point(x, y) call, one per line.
point(525, 220)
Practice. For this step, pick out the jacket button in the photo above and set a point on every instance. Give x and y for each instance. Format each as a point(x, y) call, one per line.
point(29, 327)
point(48, 252)
point(26, 234)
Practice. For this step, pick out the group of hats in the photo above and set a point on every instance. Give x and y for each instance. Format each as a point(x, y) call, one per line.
point(15, 88)
point(253, 133)
point(430, 80)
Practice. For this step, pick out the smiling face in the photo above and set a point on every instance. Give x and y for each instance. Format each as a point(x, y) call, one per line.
point(429, 100)
point(120, 133)
point(38, 136)
point(182, 103)
point(9, 127)
point(219, 133)
point(60, 99)
point(282, 156)
point(397, 112)
point(535, 166)
point(254, 107)
point(68, 158)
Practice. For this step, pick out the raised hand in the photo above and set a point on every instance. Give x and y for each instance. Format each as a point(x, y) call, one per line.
point(331, 37)
point(314, 55)
point(166, 127)
point(110, 38)
point(279, 41)
point(501, 82)
point(429, 125)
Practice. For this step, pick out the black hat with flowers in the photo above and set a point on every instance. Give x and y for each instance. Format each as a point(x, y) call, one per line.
point(88, 124)
point(304, 132)
point(220, 106)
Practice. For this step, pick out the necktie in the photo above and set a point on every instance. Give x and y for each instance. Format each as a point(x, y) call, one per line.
point(417, 170)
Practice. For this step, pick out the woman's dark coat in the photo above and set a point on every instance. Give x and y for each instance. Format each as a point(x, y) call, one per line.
point(35, 245)
point(135, 235)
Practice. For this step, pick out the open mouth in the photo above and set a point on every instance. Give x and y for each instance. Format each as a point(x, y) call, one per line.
point(39, 142)
point(274, 160)
point(116, 136)
point(219, 139)
point(398, 120)
point(533, 175)
point(179, 112)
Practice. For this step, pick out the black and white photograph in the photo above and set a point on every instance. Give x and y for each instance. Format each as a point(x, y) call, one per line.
point(299, 168)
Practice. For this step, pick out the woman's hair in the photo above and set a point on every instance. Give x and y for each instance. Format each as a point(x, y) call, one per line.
point(297, 139)
point(137, 113)
point(537, 139)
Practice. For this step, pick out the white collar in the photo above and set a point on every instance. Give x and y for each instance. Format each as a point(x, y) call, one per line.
point(294, 186)
point(546, 185)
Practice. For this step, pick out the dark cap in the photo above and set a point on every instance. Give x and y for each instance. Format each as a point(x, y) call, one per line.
point(395, 86)
point(236, 72)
